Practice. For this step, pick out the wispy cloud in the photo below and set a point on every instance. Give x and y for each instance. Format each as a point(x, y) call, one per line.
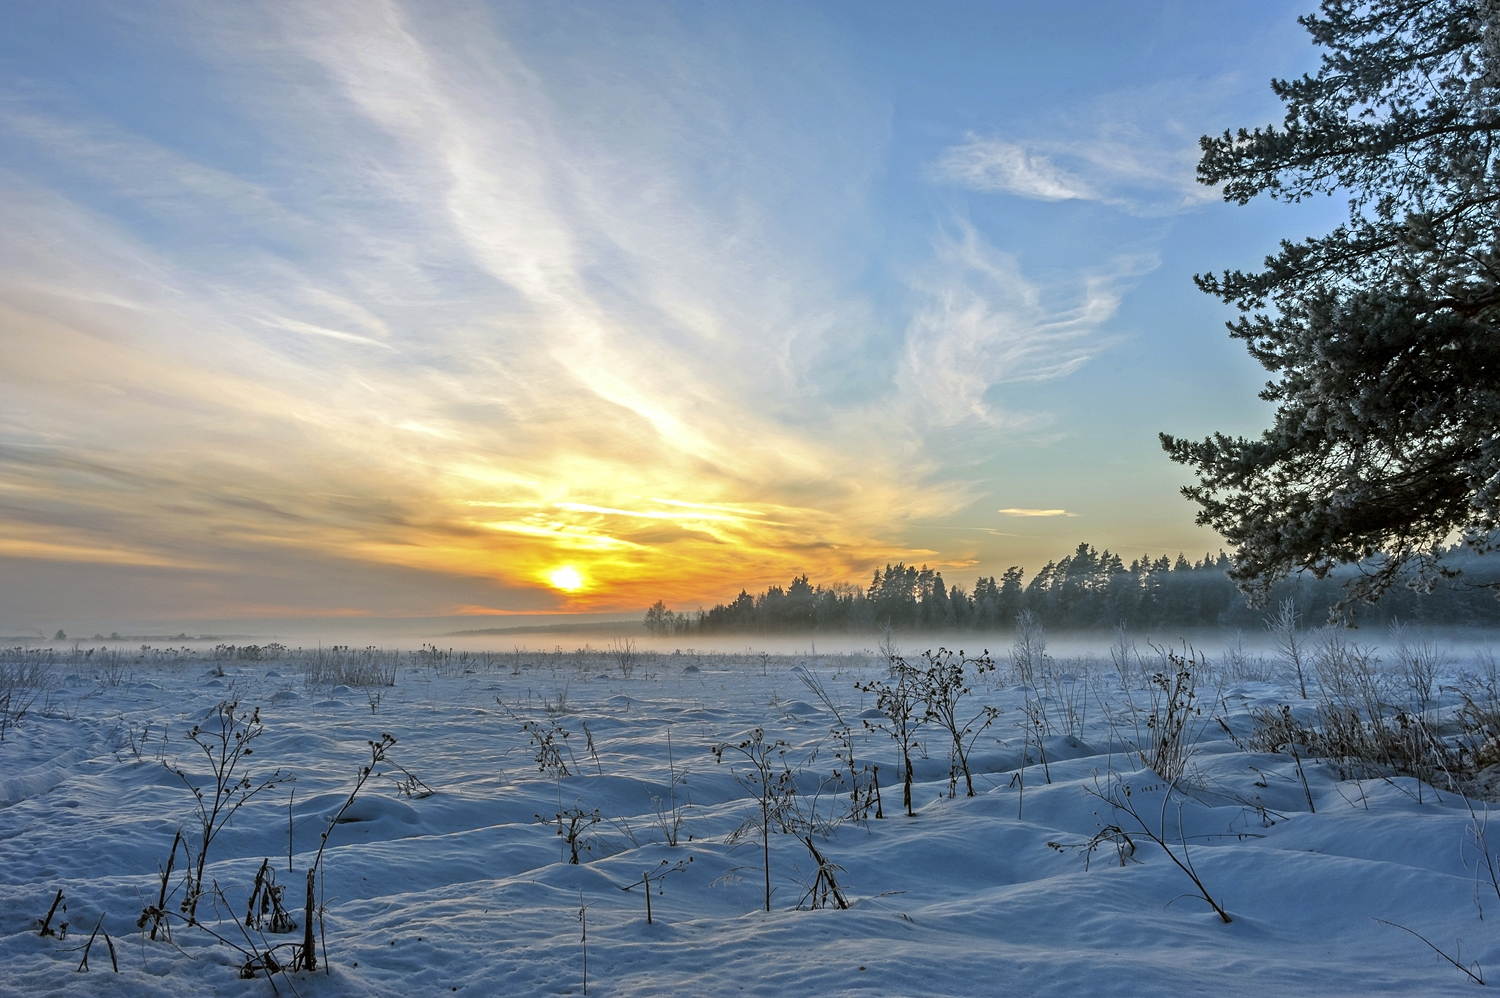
point(984, 324)
point(1013, 511)
point(1118, 166)
point(982, 164)
point(310, 329)
point(1136, 150)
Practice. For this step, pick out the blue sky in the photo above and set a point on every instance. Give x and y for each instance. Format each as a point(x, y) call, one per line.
point(464, 308)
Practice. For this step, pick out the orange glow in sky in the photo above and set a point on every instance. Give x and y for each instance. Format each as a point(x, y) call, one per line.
point(405, 309)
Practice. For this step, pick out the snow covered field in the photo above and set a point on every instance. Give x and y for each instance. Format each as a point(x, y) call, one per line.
point(464, 890)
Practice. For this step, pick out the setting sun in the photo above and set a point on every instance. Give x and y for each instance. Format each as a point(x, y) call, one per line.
point(566, 578)
point(504, 378)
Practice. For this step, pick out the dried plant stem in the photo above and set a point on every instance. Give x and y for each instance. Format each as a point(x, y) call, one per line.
point(309, 955)
point(47, 929)
point(1474, 975)
point(83, 965)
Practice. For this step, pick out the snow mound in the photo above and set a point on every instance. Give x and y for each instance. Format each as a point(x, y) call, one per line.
point(375, 808)
point(40, 779)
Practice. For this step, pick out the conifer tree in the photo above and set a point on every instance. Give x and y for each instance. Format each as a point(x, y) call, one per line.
point(1381, 336)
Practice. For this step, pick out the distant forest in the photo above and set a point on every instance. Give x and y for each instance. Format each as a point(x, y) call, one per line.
point(1087, 590)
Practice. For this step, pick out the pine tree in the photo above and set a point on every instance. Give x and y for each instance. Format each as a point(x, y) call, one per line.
point(1381, 335)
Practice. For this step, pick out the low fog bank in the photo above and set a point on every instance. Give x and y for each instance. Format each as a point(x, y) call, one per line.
point(1216, 643)
point(591, 634)
point(403, 633)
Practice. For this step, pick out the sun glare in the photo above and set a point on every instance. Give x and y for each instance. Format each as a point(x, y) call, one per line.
point(566, 578)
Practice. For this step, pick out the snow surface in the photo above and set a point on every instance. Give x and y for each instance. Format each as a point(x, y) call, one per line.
point(467, 892)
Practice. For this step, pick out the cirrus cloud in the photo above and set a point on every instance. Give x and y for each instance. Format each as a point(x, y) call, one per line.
point(982, 164)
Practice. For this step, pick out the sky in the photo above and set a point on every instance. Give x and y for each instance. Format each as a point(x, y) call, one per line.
point(324, 310)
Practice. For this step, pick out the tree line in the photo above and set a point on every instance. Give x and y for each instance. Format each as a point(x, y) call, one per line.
point(1086, 590)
